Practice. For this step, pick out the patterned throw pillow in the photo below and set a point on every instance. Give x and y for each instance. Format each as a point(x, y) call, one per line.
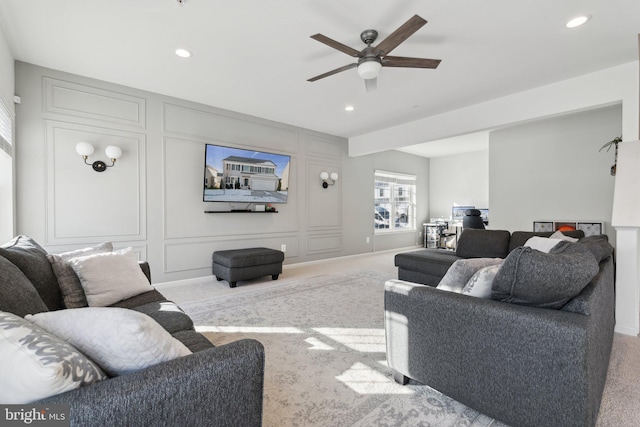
point(118, 339)
point(35, 364)
point(480, 283)
point(72, 292)
point(461, 271)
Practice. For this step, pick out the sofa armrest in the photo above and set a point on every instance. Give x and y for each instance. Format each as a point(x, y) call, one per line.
point(220, 386)
point(521, 365)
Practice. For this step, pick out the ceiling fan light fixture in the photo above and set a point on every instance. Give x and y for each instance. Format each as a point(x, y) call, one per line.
point(369, 69)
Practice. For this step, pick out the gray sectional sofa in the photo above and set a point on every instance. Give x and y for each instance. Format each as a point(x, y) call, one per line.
point(221, 386)
point(507, 356)
point(428, 266)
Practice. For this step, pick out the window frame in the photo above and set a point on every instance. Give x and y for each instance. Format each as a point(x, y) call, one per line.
point(395, 184)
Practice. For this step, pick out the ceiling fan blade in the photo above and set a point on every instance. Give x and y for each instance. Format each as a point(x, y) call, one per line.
point(332, 72)
point(401, 34)
point(403, 61)
point(337, 45)
point(371, 84)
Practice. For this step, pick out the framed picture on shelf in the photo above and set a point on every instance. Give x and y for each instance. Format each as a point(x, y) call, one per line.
point(542, 226)
point(564, 225)
point(591, 228)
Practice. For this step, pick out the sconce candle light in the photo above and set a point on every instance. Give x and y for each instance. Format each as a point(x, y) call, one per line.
point(85, 149)
point(325, 176)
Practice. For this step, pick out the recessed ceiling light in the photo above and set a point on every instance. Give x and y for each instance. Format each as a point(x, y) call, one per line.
point(349, 108)
point(183, 53)
point(577, 21)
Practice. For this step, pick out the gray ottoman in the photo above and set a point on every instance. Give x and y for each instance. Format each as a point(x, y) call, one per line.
point(245, 264)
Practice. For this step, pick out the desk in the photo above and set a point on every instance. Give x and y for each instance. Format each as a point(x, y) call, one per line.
point(437, 234)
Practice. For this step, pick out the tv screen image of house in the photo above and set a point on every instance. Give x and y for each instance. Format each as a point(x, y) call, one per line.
point(247, 176)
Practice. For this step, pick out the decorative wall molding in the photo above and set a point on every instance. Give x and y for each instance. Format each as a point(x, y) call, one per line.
point(182, 256)
point(323, 147)
point(85, 206)
point(205, 124)
point(87, 102)
point(324, 206)
point(184, 217)
point(324, 243)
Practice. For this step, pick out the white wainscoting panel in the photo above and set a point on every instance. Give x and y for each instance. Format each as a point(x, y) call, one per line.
point(189, 256)
point(324, 205)
point(217, 127)
point(324, 243)
point(84, 205)
point(73, 99)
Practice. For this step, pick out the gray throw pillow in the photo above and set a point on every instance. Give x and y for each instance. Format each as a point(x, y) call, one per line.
point(31, 259)
point(598, 245)
point(17, 294)
point(534, 278)
point(70, 286)
point(462, 270)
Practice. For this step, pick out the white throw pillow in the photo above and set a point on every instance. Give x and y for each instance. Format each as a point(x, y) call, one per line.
point(110, 277)
point(542, 244)
point(461, 271)
point(560, 235)
point(118, 339)
point(480, 283)
point(70, 286)
point(35, 364)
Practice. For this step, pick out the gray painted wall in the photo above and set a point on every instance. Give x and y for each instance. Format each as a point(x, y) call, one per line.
point(461, 179)
point(151, 199)
point(553, 170)
point(550, 169)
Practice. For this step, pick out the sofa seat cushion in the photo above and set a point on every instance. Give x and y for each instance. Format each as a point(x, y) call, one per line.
point(141, 299)
point(168, 315)
point(474, 243)
point(120, 341)
point(193, 340)
point(32, 260)
point(37, 364)
point(17, 293)
point(547, 280)
point(434, 262)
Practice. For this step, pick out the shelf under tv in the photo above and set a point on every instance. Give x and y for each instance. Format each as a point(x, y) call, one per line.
point(240, 211)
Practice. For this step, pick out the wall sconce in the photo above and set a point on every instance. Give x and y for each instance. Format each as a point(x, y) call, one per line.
point(324, 176)
point(85, 149)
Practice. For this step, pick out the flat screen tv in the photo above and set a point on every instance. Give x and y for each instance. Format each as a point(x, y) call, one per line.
point(245, 176)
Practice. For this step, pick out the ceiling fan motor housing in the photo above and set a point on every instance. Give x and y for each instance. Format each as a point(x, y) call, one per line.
point(368, 36)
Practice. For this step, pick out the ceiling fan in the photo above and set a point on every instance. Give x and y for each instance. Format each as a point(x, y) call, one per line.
point(373, 58)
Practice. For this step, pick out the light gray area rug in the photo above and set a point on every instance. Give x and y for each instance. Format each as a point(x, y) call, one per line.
point(325, 354)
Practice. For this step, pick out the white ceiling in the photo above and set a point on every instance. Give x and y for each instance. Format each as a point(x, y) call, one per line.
point(254, 56)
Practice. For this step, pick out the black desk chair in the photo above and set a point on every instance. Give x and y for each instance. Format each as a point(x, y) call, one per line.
point(472, 219)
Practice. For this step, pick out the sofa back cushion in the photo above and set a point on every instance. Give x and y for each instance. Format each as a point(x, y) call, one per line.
point(475, 243)
point(17, 294)
point(31, 259)
point(547, 280)
point(519, 238)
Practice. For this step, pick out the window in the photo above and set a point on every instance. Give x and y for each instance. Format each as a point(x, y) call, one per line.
point(395, 202)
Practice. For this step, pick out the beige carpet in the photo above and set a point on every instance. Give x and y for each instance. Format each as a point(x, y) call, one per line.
point(205, 300)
